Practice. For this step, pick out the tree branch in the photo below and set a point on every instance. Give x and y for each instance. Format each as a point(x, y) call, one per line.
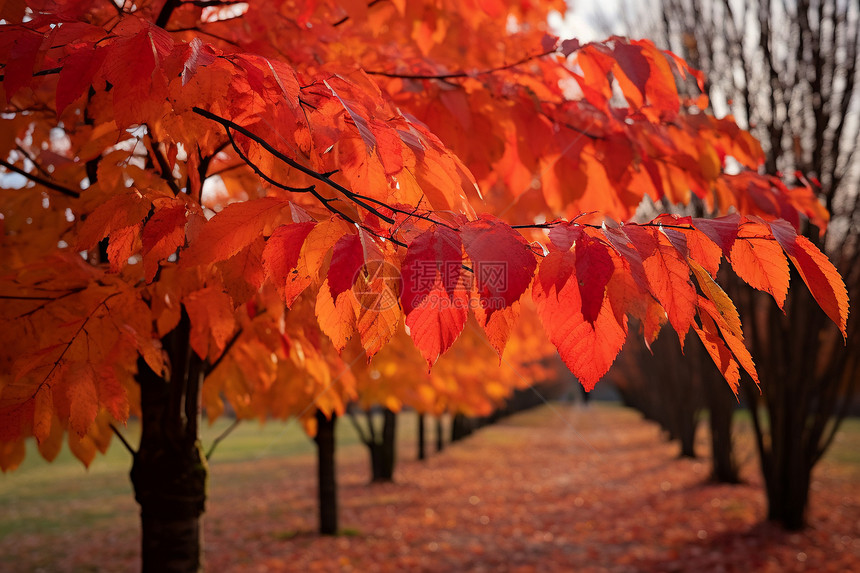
point(43, 182)
point(166, 172)
point(123, 440)
point(323, 177)
point(166, 12)
point(227, 348)
point(454, 75)
point(358, 429)
point(221, 437)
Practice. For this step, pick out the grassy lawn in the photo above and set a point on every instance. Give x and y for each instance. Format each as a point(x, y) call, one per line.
point(103, 492)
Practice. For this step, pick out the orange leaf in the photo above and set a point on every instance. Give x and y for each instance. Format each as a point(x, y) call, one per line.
point(281, 257)
point(717, 295)
point(336, 316)
point(669, 277)
point(163, 233)
point(83, 400)
point(234, 228)
point(760, 261)
point(211, 312)
point(124, 210)
point(720, 354)
point(816, 270)
point(43, 413)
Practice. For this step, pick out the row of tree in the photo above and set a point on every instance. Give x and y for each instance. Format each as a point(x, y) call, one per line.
point(789, 72)
point(249, 203)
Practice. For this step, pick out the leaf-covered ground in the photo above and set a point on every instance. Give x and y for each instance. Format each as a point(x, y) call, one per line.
point(559, 488)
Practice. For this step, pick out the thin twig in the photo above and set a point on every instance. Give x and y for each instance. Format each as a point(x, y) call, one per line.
point(226, 351)
point(43, 182)
point(346, 18)
point(123, 440)
point(221, 437)
point(227, 124)
point(454, 75)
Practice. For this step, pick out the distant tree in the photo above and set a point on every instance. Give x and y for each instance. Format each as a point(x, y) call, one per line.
point(189, 170)
point(789, 71)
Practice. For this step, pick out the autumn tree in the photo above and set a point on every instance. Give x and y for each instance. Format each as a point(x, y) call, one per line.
point(790, 72)
point(204, 193)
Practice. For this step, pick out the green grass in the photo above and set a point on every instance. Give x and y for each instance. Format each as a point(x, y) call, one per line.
point(37, 497)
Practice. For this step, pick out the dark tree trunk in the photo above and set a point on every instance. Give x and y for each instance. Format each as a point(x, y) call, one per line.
point(788, 495)
point(460, 427)
point(169, 471)
point(789, 101)
point(326, 481)
point(688, 441)
point(721, 407)
point(383, 453)
point(422, 439)
point(440, 435)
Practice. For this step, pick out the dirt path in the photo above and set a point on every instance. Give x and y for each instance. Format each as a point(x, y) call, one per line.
point(555, 489)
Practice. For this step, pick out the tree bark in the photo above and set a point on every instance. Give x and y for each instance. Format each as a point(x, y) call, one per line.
point(422, 440)
point(721, 407)
point(383, 452)
point(326, 477)
point(169, 472)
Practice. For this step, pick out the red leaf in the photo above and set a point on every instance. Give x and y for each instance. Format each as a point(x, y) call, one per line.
point(502, 261)
point(162, 235)
point(594, 268)
point(433, 256)
point(565, 235)
point(79, 69)
point(22, 60)
point(347, 258)
point(588, 348)
point(122, 245)
point(722, 230)
point(629, 254)
point(435, 299)
point(634, 65)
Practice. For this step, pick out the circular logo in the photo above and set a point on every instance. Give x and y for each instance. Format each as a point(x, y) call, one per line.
point(377, 285)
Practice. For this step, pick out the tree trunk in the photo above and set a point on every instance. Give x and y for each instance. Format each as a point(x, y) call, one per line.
point(326, 481)
point(383, 453)
point(459, 427)
point(422, 440)
point(787, 497)
point(721, 408)
point(440, 436)
point(169, 471)
point(688, 441)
